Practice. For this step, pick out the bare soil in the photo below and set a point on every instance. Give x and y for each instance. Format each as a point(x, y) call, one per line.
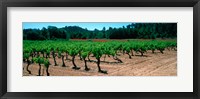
point(151, 64)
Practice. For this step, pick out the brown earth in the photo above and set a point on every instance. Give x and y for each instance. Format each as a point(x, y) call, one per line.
point(156, 64)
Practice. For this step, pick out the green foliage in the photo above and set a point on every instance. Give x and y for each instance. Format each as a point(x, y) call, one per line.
point(48, 52)
point(84, 54)
point(38, 60)
point(136, 47)
point(26, 55)
point(127, 49)
point(161, 46)
point(59, 54)
point(143, 47)
point(97, 51)
point(73, 50)
point(46, 63)
point(112, 52)
point(84, 48)
point(131, 31)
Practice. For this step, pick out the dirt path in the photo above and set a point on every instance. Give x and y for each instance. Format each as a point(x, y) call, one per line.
point(150, 65)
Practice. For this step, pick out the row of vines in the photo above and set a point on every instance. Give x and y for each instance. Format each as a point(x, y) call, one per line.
point(40, 52)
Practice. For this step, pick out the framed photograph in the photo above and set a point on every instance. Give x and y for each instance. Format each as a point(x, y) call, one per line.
point(144, 49)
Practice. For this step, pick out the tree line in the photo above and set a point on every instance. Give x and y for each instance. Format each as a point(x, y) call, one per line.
point(131, 31)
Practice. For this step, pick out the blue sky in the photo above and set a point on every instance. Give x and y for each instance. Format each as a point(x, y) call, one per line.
point(88, 25)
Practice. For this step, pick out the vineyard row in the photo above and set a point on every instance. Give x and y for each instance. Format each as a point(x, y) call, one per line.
point(40, 51)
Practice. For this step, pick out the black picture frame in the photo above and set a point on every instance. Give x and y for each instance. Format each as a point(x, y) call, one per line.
point(99, 3)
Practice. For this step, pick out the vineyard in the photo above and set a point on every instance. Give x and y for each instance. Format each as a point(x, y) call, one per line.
point(63, 55)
